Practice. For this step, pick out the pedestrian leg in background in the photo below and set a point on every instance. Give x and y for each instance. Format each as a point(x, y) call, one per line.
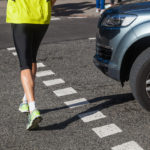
point(102, 6)
point(97, 6)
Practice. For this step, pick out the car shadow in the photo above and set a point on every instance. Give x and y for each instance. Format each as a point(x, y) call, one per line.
point(109, 101)
point(72, 8)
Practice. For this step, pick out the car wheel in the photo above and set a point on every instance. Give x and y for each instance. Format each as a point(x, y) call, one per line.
point(140, 79)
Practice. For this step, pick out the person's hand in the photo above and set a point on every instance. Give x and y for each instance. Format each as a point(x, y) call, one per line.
point(52, 2)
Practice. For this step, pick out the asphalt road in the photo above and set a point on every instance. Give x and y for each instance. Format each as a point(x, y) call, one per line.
point(62, 30)
point(67, 51)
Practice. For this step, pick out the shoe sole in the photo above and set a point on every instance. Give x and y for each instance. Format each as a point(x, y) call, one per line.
point(35, 123)
point(23, 111)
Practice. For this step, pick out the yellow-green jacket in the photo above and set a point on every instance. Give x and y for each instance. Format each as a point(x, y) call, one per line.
point(28, 11)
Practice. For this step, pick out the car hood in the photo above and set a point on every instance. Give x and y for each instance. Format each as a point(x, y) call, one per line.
point(134, 6)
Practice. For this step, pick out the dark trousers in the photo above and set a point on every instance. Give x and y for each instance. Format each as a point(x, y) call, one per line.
point(100, 4)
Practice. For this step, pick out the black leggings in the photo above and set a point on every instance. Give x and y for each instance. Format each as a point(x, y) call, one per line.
point(27, 39)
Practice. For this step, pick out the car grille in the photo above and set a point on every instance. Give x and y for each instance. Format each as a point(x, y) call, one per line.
point(103, 53)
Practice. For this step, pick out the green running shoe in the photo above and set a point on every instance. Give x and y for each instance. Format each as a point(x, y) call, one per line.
point(24, 108)
point(34, 119)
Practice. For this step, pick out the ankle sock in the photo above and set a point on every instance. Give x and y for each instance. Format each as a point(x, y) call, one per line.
point(32, 106)
point(25, 99)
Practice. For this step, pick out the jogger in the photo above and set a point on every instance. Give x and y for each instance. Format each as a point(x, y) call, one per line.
point(29, 25)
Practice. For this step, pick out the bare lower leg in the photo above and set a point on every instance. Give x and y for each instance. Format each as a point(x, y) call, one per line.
point(28, 84)
point(34, 69)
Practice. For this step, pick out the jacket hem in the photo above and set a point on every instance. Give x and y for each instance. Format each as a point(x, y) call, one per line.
point(27, 22)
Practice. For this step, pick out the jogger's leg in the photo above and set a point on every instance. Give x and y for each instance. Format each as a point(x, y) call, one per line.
point(28, 84)
point(24, 42)
point(37, 36)
point(34, 69)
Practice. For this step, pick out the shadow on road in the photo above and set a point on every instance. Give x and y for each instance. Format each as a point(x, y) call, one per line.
point(109, 101)
point(44, 111)
point(72, 8)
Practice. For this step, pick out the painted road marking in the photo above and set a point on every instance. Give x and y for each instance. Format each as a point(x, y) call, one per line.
point(39, 65)
point(128, 146)
point(76, 103)
point(64, 92)
point(76, 17)
point(92, 38)
point(53, 82)
point(14, 53)
point(44, 73)
point(107, 130)
point(11, 48)
point(55, 18)
point(91, 116)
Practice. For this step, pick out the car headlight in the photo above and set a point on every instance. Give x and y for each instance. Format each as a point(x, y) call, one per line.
point(118, 20)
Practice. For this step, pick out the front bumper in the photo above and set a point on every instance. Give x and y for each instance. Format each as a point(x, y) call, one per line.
point(103, 55)
point(102, 58)
point(106, 68)
point(101, 65)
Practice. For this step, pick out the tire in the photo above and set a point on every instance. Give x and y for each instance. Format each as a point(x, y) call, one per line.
point(139, 74)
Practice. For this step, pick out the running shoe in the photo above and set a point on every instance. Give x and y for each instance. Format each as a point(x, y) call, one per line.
point(34, 119)
point(24, 108)
point(102, 11)
point(97, 10)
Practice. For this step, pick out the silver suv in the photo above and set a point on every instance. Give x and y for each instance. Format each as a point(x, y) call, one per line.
point(123, 47)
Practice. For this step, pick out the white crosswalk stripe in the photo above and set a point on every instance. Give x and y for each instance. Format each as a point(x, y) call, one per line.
point(91, 116)
point(76, 103)
point(77, 17)
point(44, 73)
point(55, 18)
point(11, 48)
point(14, 53)
point(64, 92)
point(53, 82)
point(107, 130)
point(39, 65)
point(132, 145)
point(92, 38)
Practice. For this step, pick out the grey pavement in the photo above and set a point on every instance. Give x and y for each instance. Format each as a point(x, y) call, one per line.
point(61, 128)
point(67, 51)
point(62, 30)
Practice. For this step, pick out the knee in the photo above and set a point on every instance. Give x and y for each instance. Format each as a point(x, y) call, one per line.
point(24, 66)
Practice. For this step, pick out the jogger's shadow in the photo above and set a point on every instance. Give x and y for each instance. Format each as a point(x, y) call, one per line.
point(109, 101)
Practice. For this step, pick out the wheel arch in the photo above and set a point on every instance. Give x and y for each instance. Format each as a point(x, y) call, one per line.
point(131, 54)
